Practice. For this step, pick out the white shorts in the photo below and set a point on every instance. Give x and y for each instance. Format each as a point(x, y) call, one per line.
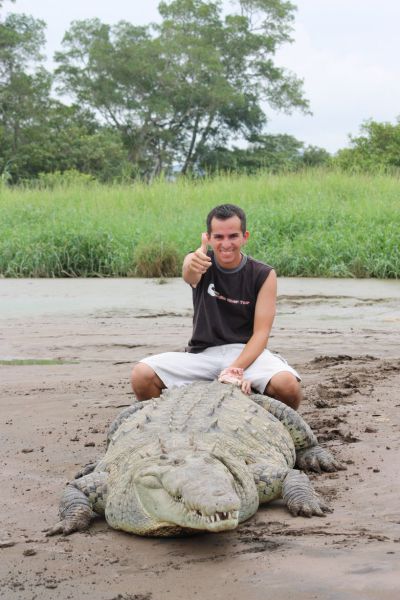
point(181, 368)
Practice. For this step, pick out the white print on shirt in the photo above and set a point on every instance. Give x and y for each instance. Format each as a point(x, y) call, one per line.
point(213, 292)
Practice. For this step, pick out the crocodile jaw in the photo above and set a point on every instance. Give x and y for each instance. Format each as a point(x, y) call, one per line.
point(204, 521)
point(194, 492)
point(167, 510)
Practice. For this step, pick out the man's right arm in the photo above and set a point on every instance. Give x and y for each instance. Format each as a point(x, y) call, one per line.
point(196, 263)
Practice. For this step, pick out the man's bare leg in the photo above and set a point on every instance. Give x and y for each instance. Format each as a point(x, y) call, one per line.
point(145, 383)
point(284, 387)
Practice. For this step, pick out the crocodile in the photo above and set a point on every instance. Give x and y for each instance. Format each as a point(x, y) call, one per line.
point(202, 457)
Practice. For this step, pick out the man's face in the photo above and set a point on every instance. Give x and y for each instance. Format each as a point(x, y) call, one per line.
point(226, 239)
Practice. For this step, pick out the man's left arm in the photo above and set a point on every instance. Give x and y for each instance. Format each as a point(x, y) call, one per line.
point(263, 320)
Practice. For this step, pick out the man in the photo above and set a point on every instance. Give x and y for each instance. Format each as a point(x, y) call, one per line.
point(234, 299)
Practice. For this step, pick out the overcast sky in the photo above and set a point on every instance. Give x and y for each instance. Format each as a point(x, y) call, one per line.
point(347, 52)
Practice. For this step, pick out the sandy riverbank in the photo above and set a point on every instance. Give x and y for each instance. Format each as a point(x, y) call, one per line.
point(342, 335)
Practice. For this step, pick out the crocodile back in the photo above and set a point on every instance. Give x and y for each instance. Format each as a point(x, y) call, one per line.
point(214, 417)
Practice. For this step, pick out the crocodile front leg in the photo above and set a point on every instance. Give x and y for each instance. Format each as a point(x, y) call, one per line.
point(82, 500)
point(300, 497)
point(268, 479)
point(310, 456)
point(317, 459)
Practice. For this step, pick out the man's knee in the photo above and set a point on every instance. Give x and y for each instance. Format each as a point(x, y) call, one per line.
point(285, 387)
point(145, 382)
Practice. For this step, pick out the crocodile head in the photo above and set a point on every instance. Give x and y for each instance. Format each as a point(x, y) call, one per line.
point(175, 493)
point(193, 490)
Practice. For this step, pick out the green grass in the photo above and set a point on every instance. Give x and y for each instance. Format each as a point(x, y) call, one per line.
point(315, 223)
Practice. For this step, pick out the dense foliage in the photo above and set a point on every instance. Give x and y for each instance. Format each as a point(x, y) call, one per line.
point(188, 95)
point(274, 153)
point(315, 223)
point(377, 149)
point(145, 100)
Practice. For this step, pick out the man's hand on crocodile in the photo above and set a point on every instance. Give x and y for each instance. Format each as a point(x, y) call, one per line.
point(200, 262)
point(235, 375)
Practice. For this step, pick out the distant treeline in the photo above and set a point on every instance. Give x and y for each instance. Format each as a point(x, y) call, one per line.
point(164, 99)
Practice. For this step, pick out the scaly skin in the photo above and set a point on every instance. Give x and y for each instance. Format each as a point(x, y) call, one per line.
point(200, 458)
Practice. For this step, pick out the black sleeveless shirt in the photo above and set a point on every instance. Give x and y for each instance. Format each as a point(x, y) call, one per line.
point(224, 303)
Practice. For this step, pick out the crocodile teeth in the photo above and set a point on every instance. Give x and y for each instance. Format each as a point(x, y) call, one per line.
point(217, 517)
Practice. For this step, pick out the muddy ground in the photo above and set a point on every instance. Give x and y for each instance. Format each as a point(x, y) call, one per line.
point(343, 337)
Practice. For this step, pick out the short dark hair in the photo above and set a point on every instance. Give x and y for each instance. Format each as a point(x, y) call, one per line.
point(226, 211)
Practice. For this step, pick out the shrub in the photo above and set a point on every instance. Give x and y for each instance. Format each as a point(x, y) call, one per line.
point(157, 259)
point(67, 178)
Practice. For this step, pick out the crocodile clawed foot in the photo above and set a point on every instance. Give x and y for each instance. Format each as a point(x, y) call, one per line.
point(68, 526)
point(300, 497)
point(317, 459)
point(55, 530)
point(62, 527)
point(74, 517)
point(314, 506)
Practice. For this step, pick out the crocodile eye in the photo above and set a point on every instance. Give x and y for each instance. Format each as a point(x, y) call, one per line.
point(150, 481)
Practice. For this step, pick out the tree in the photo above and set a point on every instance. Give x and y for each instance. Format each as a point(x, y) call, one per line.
point(24, 84)
point(198, 78)
point(377, 149)
point(273, 153)
point(270, 152)
point(65, 138)
point(313, 156)
point(39, 134)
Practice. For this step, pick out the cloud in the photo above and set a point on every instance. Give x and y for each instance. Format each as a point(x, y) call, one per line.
point(349, 75)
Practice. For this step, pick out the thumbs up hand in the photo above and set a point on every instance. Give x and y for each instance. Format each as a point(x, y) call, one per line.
point(199, 261)
point(204, 243)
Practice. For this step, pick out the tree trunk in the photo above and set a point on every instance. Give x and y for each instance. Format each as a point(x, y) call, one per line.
point(192, 145)
point(203, 139)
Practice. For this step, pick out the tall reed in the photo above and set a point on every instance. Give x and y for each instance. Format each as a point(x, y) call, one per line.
point(314, 223)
